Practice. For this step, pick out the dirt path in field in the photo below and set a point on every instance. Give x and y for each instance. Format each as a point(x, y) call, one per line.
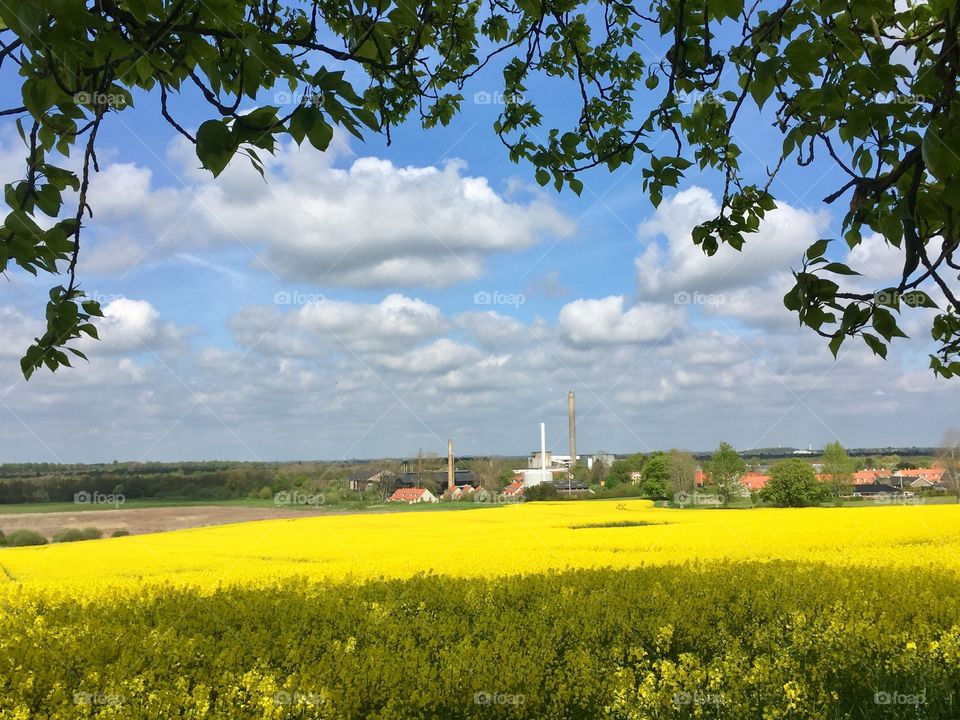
point(144, 520)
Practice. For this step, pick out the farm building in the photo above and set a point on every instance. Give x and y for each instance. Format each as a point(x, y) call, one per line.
point(412, 495)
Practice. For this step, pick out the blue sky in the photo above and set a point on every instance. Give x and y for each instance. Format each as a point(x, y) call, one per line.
point(373, 300)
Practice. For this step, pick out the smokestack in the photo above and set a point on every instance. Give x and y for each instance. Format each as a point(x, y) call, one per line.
point(451, 484)
point(571, 411)
point(543, 452)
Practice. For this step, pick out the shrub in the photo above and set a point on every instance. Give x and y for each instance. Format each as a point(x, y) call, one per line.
point(69, 535)
point(75, 535)
point(123, 532)
point(265, 493)
point(543, 491)
point(23, 538)
point(3, 539)
point(793, 483)
point(620, 491)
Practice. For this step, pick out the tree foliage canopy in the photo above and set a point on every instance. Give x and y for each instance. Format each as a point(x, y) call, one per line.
point(655, 478)
point(793, 483)
point(725, 468)
point(872, 85)
point(621, 470)
point(838, 467)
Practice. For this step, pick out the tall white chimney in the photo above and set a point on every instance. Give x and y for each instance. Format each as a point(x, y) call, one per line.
point(451, 467)
point(543, 452)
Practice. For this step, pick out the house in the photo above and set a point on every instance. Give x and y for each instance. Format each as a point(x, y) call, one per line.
point(919, 483)
point(874, 490)
point(868, 477)
point(514, 489)
point(459, 491)
point(754, 481)
point(906, 478)
point(412, 495)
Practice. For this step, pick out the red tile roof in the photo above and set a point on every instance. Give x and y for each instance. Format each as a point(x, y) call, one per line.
point(754, 480)
point(869, 477)
point(933, 474)
point(514, 488)
point(408, 494)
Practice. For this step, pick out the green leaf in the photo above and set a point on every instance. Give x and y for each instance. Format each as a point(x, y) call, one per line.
point(215, 145)
point(876, 344)
point(320, 135)
point(941, 152)
point(836, 342)
point(817, 249)
point(763, 82)
point(839, 269)
point(885, 324)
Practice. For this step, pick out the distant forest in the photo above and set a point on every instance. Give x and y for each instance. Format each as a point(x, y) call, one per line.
point(49, 482)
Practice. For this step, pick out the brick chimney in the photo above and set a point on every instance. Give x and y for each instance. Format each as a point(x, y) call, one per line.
point(451, 484)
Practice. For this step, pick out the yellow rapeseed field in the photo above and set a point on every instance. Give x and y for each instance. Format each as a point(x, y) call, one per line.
point(486, 542)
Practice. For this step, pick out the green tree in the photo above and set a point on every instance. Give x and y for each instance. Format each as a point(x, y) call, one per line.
point(598, 472)
point(837, 468)
point(579, 472)
point(950, 460)
point(889, 462)
point(655, 482)
point(869, 86)
point(724, 470)
point(793, 483)
point(683, 471)
point(621, 470)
